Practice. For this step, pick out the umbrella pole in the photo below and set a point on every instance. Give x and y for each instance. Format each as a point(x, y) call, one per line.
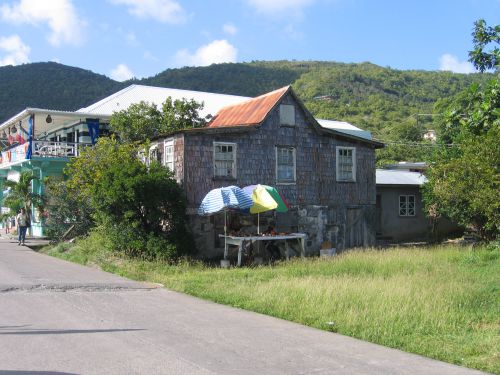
point(258, 222)
point(225, 235)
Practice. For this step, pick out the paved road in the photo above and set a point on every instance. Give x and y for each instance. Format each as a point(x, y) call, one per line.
point(61, 318)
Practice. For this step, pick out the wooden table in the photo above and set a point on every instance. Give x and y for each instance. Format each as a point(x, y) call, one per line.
point(238, 241)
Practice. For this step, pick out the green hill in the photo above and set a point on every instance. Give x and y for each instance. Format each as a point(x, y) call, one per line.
point(369, 96)
point(383, 100)
point(50, 85)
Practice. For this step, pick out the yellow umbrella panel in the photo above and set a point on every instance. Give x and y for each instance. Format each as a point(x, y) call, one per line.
point(262, 200)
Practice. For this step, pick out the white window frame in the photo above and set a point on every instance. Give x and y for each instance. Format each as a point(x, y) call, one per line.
point(169, 145)
point(404, 208)
point(294, 156)
point(233, 168)
point(338, 165)
point(287, 114)
point(153, 150)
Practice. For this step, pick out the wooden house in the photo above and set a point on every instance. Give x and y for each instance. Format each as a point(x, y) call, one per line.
point(327, 176)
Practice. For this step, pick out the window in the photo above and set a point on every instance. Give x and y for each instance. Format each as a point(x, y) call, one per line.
point(287, 114)
point(285, 164)
point(346, 164)
point(406, 205)
point(155, 154)
point(224, 159)
point(169, 155)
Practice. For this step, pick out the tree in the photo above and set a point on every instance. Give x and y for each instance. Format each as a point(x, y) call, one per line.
point(68, 212)
point(21, 194)
point(482, 36)
point(141, 208)
point(464, 183)
point(464, 176)
point(144, 121)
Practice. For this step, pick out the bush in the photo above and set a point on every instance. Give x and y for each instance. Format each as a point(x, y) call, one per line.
point(141, 208)
point(65, 210)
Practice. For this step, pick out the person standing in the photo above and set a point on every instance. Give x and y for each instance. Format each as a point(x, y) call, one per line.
point(23, 221)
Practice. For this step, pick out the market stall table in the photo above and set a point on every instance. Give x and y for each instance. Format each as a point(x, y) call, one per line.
point(238, 241)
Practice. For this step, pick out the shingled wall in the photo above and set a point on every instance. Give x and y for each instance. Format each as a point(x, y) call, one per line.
point(324, 209)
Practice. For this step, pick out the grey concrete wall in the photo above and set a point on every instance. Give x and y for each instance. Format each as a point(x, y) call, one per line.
point(397, 227)
point(393, 226)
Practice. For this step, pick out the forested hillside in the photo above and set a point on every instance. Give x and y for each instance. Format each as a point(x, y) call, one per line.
point(367, 95)
point(50, 85)
point(389, 102)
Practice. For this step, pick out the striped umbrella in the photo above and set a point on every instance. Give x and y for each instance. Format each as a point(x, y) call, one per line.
point(229, 197)
point(223, 199)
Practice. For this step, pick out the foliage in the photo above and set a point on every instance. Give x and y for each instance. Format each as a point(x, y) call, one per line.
point(139, 122)
point(21, 194)
point(141, 208)
point(144, 121)
point(440, 302)
point(464, 177)
point(66, 211)
point(484, 35)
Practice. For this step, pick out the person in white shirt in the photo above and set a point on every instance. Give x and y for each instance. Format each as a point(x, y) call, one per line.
point(23, 221)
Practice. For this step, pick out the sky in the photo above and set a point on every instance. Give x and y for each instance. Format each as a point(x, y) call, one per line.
point(140, 38)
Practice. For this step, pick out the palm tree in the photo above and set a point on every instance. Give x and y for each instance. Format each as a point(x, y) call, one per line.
point(21, 194)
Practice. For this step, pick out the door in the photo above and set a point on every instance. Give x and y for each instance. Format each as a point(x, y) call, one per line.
point(355, 228)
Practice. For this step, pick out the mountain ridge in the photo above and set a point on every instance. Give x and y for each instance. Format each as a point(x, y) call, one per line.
point(371, 97)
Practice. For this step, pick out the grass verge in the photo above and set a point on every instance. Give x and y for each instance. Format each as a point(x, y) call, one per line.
point(440, 302)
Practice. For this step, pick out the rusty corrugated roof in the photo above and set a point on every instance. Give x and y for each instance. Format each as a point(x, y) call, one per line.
point(250, 112)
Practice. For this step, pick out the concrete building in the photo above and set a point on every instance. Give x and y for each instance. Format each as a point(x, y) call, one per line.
point(400, 210)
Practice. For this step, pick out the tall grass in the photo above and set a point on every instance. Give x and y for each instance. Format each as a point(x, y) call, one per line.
point(441, 302)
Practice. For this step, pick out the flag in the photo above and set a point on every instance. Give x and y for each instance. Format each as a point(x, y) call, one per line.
point(93, 125)
point(19, 138)
point(31, 124)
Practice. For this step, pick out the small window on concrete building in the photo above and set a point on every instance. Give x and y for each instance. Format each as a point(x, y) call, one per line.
point(224, 159)
point(287, 114)
point(169, 154)
point(285, 164)
point(406, 205)
point(346, 164)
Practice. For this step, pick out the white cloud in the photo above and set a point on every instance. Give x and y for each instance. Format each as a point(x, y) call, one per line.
point(59, 15)
point(132, 39)
point(451, 63)
point(16, 51)
point(121, 73)
point(230, 29)
point(167, 11)
point(292, 33)
point(218, 51)
point(147, 55)
point(277, 7)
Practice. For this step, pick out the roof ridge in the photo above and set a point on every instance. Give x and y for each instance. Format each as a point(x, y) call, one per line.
point(186, 90)
point(246, 106)
point(107, 99)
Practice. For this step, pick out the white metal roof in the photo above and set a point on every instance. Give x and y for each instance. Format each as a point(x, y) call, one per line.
point(345, 127)
point(212, 104)
point(157, 95)
point(396, 177)
point(407, 165)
